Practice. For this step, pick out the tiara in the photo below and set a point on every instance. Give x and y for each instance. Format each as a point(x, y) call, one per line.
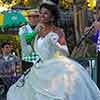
point(48, 2)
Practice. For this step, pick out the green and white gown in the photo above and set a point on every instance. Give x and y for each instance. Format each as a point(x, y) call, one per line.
point(55, 78)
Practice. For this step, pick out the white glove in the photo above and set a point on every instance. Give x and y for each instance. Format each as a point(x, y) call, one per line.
point(21, 31)
point(63, 48)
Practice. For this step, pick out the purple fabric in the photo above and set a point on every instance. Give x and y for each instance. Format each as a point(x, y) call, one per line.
point(96, 38)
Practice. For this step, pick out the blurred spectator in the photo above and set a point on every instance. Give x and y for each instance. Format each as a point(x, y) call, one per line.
point(96, 39)
point(10, 65)
point(33, 18)
point(8, 62)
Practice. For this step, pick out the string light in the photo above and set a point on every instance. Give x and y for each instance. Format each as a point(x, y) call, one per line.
point(91, 4)
point(8, 5)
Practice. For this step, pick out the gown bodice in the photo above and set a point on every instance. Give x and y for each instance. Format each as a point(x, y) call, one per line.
point(46, 46)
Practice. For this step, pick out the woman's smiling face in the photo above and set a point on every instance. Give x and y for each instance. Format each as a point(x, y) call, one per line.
point(45, 15)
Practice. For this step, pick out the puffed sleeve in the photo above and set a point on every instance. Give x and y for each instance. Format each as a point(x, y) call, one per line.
point(53, 38)
point(26, 49)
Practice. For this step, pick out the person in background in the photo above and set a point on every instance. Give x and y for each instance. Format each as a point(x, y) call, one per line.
point(55, 76)
point(10, 65)
point(33, 18)
point(29, 34)
point(96, 38)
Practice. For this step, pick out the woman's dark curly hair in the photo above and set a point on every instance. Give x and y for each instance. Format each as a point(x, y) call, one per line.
point(53, 9)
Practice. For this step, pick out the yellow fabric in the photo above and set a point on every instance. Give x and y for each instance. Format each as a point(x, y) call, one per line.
point(1, 19)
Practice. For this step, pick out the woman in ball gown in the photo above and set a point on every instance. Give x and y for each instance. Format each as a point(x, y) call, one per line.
point(55, 77)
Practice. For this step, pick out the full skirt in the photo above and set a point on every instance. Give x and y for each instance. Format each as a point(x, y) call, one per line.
point(56, 79)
